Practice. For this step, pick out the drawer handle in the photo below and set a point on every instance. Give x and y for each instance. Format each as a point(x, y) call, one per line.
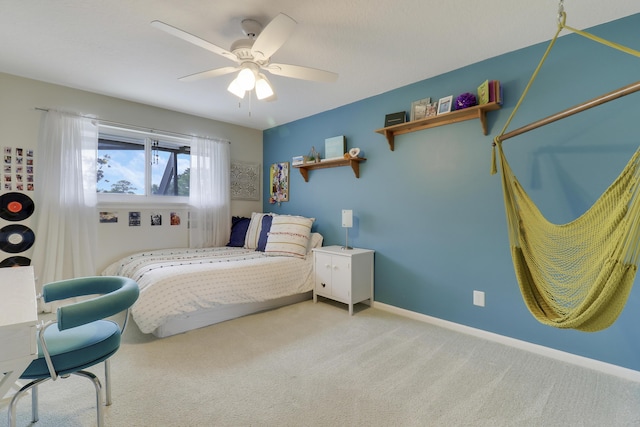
point(323, 284)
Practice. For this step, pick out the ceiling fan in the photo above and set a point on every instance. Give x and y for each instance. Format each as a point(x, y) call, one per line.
point(252, 55)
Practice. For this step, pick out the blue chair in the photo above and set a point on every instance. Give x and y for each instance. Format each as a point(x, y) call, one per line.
point(81, 338)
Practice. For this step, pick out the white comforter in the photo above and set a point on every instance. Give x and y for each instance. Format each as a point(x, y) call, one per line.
point(178, 281)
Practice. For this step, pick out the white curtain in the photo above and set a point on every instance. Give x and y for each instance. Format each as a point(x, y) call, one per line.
point(65, 198)
point(209, 193)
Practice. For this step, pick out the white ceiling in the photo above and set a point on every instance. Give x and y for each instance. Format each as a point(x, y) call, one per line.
point(109, 47)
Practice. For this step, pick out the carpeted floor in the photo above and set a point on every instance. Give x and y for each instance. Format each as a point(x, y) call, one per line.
point(313, 365)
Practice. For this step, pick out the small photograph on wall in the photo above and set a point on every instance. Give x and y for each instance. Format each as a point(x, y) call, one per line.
point(174, 218)
point(108, 217)
point(279, 180)
point(156, 219)
point(134, 219)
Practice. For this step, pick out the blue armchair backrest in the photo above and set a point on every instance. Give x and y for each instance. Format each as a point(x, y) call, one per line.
point(116, 294)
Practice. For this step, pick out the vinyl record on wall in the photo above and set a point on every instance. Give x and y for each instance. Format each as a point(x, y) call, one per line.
point(15, 261)
point(15, 206)
point(16, 238)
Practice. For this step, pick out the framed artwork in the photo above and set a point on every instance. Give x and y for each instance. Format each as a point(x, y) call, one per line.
point(279, 182)
point(245, 181)
point(334, 148)
point(444, 104)
point(419, 109)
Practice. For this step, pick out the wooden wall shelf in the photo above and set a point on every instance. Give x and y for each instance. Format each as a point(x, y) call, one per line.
point(476, 112)
point(353, 162)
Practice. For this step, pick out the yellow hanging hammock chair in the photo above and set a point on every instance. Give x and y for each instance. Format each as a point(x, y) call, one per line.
point(576, 275)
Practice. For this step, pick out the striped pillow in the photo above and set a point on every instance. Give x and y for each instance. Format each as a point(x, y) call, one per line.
point(254, 230)
point(289, 236)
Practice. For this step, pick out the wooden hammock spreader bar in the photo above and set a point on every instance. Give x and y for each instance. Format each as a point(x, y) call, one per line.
point(619, 93)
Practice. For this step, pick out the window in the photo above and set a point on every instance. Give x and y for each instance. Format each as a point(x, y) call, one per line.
point(131, 165)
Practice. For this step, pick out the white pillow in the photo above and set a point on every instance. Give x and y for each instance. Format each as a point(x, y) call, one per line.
point(253, 231)
point(289, 236)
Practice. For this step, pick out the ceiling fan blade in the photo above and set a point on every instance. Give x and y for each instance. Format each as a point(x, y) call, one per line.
point(303, 73)
point(273, 36)
point(208, 74)
point(194, 40)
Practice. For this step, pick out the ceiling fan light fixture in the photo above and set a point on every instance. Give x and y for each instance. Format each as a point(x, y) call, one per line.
point(263, 88)
point(246, 79)
point(235, 89)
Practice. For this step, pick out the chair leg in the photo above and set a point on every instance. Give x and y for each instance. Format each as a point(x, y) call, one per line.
point(34, 404)
point(34, 401)
point(98, 386)
point(107, 380)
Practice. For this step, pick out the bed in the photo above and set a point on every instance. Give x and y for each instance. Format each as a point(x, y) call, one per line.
point(183, 289)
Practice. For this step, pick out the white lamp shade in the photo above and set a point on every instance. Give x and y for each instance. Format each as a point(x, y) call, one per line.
point(347, 218)
point(246, 79)
point(263, 88)
point(235, 89)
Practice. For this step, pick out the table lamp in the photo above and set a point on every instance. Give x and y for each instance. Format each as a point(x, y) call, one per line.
point(347, 223)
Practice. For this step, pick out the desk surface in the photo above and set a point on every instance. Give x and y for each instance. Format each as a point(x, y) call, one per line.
point(18, 303)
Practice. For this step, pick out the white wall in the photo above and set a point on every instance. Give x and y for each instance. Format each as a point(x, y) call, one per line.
point(19, 122)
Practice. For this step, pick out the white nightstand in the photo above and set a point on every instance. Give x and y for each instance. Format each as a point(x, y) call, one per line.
point(344, 275)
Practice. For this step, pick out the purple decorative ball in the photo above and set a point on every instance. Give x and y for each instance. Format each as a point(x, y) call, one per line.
point(465, 100)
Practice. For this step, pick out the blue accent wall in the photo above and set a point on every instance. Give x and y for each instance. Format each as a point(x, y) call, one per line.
point(434, 214)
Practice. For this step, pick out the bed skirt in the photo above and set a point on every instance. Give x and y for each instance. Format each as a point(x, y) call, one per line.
point(199, 319)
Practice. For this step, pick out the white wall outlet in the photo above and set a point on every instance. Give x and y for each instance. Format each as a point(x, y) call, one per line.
point(478, 298)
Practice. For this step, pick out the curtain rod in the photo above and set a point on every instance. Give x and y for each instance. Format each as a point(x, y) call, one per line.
point(140, 128)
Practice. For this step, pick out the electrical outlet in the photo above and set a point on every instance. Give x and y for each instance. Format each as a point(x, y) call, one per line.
point(478, 298)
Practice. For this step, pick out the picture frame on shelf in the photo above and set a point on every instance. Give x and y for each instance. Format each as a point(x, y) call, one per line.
point(335, 147)
point(444, 104)
point(394, 118)
point(432, 109)
point(419, 109)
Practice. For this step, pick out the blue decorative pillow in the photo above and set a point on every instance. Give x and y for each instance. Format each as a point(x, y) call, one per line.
point(264, 232)
point(239, 226)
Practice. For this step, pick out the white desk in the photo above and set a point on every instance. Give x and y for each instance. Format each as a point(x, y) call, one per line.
point(18, 319)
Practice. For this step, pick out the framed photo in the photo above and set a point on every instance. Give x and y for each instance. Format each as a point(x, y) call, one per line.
point(444, 104)
point(419, 109)
point(432, 109)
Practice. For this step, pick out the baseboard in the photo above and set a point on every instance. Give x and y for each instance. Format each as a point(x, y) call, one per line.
point(607, 368)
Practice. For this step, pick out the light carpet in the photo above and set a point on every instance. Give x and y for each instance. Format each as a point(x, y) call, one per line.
point(314, 365)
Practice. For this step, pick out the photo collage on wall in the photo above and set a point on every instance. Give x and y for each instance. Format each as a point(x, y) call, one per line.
point(135, 218)
point(17, 169)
